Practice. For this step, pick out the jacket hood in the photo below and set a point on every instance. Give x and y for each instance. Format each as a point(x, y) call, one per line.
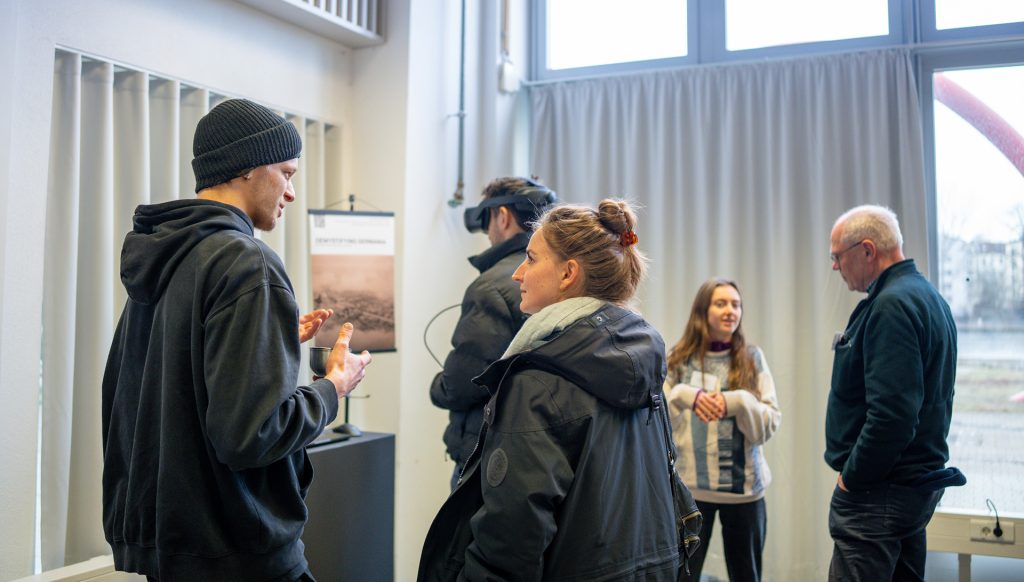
point(164, 234)
point(613, 354)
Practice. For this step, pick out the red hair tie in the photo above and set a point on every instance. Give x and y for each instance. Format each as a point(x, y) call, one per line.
point(628, 238)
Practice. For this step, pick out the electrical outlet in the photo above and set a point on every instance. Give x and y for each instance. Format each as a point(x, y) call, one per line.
point(983, 530)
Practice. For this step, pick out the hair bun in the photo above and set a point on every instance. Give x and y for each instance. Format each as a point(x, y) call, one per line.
point(616, 216)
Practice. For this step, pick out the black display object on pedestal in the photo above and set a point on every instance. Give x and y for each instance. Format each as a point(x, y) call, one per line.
point(318, 364)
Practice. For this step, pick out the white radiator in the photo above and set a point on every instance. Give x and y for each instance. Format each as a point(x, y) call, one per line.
point(98, 569)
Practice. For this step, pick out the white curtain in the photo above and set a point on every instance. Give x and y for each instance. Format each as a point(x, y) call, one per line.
point(120, 138)
point(741, 171)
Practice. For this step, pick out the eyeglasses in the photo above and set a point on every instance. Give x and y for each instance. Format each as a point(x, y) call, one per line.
point(836, 256)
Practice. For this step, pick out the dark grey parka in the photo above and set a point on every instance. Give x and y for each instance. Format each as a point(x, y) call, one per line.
point(570, 479)
point(490, 319)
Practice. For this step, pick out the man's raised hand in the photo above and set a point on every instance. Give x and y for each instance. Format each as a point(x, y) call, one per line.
point(311, 323)
point(345, 369)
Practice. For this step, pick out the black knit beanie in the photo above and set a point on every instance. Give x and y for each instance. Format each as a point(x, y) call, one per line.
point(237, 135)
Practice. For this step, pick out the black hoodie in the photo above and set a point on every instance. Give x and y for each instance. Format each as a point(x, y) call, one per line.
point(571, 479)
point(204, 429)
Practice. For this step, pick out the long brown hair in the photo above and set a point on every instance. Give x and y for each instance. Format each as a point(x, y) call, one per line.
point(696, 340)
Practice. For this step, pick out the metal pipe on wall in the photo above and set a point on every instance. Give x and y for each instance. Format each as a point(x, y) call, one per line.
point(458, 197)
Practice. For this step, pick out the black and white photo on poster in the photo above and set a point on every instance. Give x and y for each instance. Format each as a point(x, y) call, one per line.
point(353, 272)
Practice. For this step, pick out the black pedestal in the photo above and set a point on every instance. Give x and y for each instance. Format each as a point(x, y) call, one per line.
point(351, 529)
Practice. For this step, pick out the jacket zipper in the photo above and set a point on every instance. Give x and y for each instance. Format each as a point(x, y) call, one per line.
point(485, 424)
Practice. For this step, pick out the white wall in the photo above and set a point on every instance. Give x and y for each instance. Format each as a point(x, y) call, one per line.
point(387, 174)
point(22, 205)
point(407, 147)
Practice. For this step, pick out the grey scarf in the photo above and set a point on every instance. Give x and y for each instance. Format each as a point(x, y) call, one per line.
point(554, 317)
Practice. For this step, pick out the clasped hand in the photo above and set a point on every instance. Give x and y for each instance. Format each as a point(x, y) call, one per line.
point(709, 406)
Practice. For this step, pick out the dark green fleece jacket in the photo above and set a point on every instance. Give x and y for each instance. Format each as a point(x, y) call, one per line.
point(204, 428)
point(892, 383)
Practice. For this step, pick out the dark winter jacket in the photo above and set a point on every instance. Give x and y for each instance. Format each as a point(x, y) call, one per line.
point(891, 402)
point(571, 480)
point(490, 319)
point(204, 428)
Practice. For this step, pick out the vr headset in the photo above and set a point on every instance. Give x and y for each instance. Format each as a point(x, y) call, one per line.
point(529, 200)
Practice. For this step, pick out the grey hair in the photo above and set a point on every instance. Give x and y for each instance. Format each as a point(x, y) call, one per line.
point(869, 221)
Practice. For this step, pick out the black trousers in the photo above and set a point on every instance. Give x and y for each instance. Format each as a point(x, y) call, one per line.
point(744, 528)
point(880, 534)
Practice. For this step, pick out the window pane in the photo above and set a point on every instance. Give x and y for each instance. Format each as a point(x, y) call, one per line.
point(583, 33)
point(962, 13)
point(979, 161)
point(751, 24)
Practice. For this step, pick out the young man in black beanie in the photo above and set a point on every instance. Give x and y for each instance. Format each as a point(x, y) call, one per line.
point(204, 426)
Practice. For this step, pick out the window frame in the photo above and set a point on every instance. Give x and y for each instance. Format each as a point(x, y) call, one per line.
point(539, 49)
point(929, 32)
point(706, 42)
point(900, 32)
point(930, 61)
point(948, 527)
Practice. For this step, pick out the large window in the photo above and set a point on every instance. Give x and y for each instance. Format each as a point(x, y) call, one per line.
point(944, 20)
point(585, 37)
point(575, 38)
point(754, 24)
point(979, 186)
point(614, 33)
point(951, 14)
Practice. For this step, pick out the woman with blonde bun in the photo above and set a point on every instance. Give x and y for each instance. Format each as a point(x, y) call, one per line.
point(569, 480)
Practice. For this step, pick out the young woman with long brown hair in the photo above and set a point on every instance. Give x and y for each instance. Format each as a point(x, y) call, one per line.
point(723, 407)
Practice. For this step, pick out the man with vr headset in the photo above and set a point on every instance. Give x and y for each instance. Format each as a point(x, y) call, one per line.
point(490, 307)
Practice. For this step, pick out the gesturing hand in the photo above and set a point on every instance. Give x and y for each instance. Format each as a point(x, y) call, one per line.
point(345, 369)
point(311, 323)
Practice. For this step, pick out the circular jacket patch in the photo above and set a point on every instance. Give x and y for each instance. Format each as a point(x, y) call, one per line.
point(497, 467)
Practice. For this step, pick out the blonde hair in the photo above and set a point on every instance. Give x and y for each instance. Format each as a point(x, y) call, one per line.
point(603, 242)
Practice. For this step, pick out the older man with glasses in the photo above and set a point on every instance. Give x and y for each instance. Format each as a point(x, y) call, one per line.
point(890, 405)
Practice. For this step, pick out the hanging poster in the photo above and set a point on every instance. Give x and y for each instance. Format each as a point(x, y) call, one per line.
point(353, 273)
